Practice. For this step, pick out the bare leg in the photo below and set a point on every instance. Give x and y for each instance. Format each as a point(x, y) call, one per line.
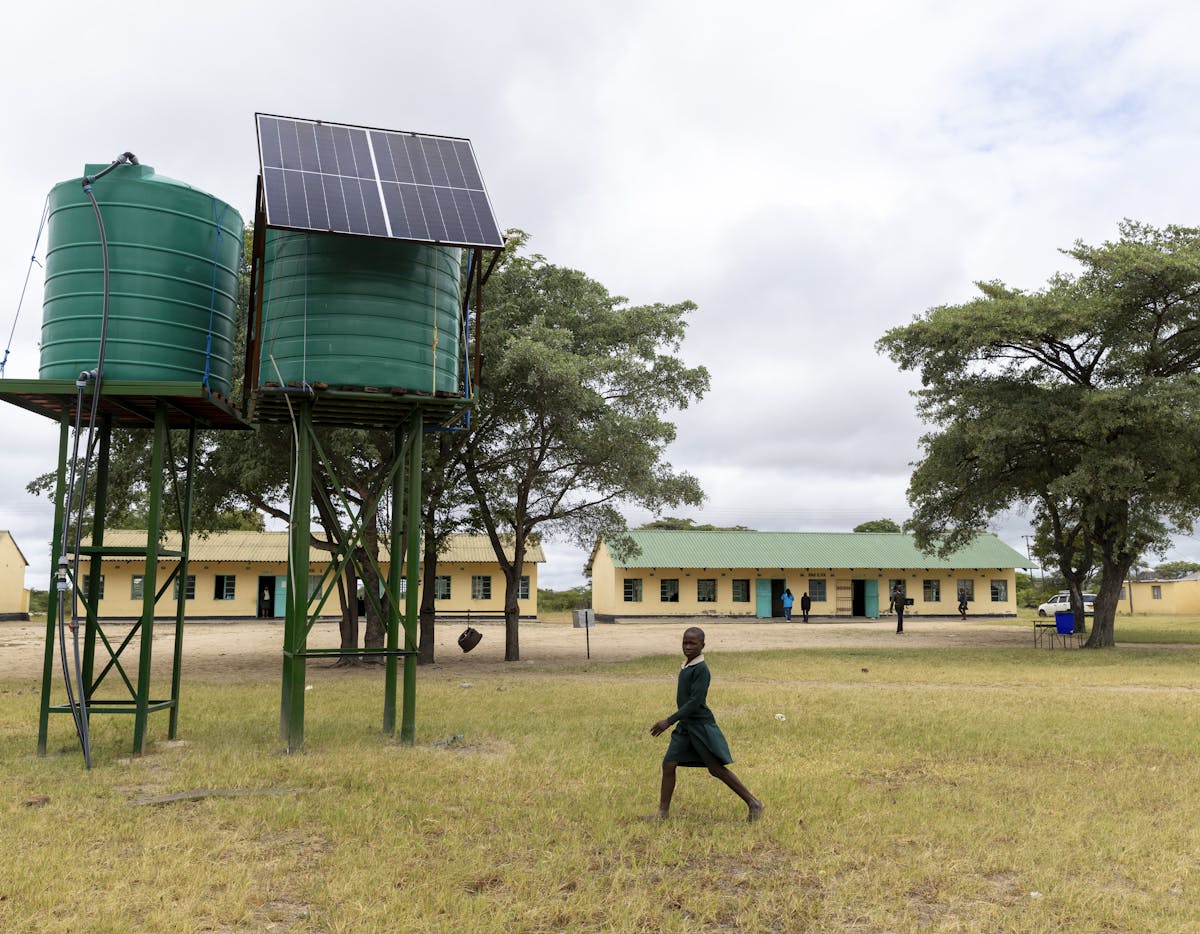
point(668, 789)
point(735, 784)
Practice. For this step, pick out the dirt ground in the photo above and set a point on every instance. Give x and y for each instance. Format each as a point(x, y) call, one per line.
point(236, 650)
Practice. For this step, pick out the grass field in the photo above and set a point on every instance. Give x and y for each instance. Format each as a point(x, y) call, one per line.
point(954, 789)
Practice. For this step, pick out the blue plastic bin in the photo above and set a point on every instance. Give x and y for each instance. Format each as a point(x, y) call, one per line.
point(1064, 623)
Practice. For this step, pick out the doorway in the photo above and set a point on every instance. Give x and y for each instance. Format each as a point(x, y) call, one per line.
point(266, 597)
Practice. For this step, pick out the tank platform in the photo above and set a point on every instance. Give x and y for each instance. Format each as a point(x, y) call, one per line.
point(131, 404)
point(355, 406)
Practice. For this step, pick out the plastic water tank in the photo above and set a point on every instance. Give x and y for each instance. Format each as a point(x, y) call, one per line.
point(361, 312)
point(174, 254)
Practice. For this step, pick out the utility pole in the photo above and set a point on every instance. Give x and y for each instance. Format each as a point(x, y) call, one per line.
point(1029, 555)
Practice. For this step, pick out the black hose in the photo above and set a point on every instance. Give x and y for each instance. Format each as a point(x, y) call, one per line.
point(77, 693)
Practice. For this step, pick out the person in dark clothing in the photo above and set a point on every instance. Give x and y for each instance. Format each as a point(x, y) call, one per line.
point(697, 740)
point(805, 605)
point(962, 602)
point(898, 603)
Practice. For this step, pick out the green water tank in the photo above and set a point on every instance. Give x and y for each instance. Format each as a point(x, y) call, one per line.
point(173, 272)
point(360, 312)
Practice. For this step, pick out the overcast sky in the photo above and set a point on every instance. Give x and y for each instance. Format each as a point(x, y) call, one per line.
point(809, 174)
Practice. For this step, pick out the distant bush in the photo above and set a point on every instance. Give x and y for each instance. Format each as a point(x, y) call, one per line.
point(38, 602)
point(577, 598)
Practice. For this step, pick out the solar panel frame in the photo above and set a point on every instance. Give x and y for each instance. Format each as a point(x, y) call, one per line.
point(362, 181)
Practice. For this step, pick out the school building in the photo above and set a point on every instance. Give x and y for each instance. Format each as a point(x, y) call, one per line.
point(244, 574)
point(14, 598)
point(1176, 597)
point(846, 574)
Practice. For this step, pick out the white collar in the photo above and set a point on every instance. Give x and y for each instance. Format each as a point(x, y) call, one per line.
point(695, 661)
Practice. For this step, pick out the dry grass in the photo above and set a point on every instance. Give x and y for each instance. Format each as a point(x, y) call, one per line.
point(905, 789)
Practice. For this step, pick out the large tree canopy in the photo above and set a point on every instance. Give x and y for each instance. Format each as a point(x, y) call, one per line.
point(1078, 401)
point(571, 422)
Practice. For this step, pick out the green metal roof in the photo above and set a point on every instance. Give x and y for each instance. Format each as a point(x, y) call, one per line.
point(691, 549)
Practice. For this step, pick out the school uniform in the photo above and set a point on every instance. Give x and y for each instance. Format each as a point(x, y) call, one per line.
point(697, 741)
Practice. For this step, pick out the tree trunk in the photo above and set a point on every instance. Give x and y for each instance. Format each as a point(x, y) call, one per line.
point(428, 616)
point(348, 596)
point(512, 609)
point(1103, 633)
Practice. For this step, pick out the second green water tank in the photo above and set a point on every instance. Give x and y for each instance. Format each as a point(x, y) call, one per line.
point(360, 312)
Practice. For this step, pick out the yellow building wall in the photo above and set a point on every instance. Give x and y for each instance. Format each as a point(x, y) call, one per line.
point(608, 590)
point(1176, 597)
point(118, 600)
point(14, 598)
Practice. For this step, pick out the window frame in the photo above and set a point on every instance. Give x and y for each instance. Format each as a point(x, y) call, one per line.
point(744, 583)
point(481, 586)
point(224, 586)
point(818, 592)
point(441, 592)
point(668, 590)
point(632, 590)
point(931, 590)
point(85, 579)
point(189, 588)
point(703, 584)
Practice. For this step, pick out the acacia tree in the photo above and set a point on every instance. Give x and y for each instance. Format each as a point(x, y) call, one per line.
point(1079, 401)
point(571, 422)
point(878, 525)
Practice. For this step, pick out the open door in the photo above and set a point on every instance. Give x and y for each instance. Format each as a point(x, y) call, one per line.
point(871, 599)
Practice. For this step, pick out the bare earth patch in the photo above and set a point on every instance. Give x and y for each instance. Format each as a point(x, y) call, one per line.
point(243, 650)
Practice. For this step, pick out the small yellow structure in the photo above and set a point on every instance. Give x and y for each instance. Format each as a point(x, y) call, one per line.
point(1176, 597)
point(14, 598)
point(244, 574)
point(845, 574)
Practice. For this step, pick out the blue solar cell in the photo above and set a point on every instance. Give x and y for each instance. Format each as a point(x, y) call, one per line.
point(376, 183)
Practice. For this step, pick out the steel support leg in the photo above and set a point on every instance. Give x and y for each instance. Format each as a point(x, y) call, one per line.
point(295, 634)
point(185, 539)
point(408, 714)
point(150, 577)
point(395, 577)
point(60, 492)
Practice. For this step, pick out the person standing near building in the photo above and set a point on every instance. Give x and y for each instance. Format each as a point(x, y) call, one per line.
point(898, 603)
point(805, 605)
point(788, 600)
point(962, 602)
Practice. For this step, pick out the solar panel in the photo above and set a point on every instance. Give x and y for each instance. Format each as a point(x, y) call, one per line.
point(337, 178)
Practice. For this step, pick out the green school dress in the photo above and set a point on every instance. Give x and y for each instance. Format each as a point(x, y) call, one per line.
point(697, 741)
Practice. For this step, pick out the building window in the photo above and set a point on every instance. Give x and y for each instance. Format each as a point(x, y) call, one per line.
point(633, 590)
point(706, 590)
point(136, 587)
point(741, 590)
point(816, 589)
point(1155, 592)
point(523, 587)
point(668, 590)
point(189, 591)
point(931, 591)
point(999, 591)
point(481, 587)
point(968, 587)
point(1120, 596)
point(441, 587)
point(87, 580)
point(225, 587)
